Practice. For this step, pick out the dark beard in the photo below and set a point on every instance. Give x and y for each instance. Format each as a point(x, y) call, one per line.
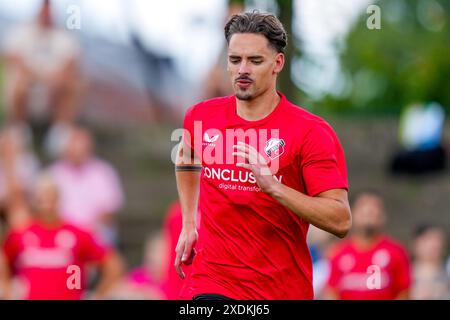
point(370, 231)
point(244, 96)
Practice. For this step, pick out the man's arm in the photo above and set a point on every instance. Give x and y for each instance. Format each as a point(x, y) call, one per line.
point(330, 293)
point(187, 173)
point(329, 210)
point(404, 295)
point(5, 279)
point(17, 208)
point(111, 269)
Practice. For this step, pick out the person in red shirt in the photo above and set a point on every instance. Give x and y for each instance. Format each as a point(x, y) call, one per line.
point(369, 265)
point(49, 257)
point(262, 169)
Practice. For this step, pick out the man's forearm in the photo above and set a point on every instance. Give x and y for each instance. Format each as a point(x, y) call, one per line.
point(330, 213)
point(187, 172)
point(112, 271)
point(188, 184)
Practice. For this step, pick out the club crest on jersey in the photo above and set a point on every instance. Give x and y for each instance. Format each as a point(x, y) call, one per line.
point(274, 148)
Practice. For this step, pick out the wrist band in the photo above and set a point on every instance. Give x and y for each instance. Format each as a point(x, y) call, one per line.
point(188, 168)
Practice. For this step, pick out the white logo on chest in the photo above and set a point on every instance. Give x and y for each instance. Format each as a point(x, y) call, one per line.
point(274, 148)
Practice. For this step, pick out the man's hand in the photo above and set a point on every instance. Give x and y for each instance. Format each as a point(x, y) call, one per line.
point(185, 250)
point(256, 163)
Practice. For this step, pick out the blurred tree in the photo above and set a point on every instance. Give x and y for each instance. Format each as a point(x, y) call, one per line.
point(286, 84)
point(238, 2)
point(406, 61)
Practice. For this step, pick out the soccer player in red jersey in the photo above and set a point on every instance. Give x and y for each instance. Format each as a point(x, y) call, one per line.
point(50, 257)
point(262, 169)
point(369, 265)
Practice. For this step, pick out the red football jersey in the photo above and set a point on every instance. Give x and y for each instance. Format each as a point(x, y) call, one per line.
point(250, 246)
point(41, 257)
point(380, 272)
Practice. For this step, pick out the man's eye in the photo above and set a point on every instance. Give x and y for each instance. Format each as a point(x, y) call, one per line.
point(234, 61)
point(257, 61)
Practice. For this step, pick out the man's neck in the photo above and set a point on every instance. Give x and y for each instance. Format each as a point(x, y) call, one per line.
point(364, 242)
point(429, 266)
point(259, 107)
point(77, 164)
point(50, 222)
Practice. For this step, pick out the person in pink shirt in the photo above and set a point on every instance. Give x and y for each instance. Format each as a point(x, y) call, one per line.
point(91, 191)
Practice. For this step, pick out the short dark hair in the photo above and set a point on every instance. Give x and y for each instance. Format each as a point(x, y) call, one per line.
point(423, 228)
point(366, 192)
point(265, 24)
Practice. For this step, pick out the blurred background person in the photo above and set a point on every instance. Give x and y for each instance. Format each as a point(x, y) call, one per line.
point(430, 278)
point(40, 252)
point(90, 188)
point(145, 282)
point(18, 169)
point(42, 76)
point(369, 255)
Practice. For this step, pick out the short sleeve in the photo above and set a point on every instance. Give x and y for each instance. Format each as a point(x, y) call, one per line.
point(322, 161)
point(91, 249)
point(335, 274)
point(11, 247)
point(188, 126)
point(402, 271)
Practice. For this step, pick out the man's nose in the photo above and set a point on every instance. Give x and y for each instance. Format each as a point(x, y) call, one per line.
point(244, 68)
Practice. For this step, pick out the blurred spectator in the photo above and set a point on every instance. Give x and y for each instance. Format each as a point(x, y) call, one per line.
point(145, 282)
point(421, 130)
point(369, 265)
point(43, 78)
point(91, 191)
point(40, 253)
point(217, 82)
point(430, 278)
point(18, 169)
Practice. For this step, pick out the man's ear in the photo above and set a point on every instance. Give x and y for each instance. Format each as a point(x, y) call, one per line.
point(279, 62)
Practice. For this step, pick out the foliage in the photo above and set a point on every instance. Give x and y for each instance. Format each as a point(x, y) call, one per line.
point(406, 61)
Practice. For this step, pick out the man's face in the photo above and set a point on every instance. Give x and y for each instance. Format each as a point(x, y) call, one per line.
point(79, 148)
point(368, 215)
point(430, 246)
point(46, 200)
point(253, 65)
